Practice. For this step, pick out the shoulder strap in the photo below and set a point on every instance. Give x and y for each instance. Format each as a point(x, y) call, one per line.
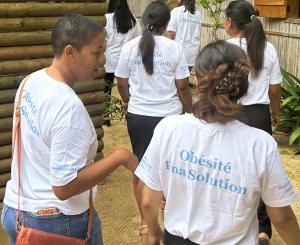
point(17, 136)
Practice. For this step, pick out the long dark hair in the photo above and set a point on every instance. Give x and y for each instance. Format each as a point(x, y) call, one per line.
point(189, 5)
point(222, 79)
point(242, 13)
point(155, 17)
point(123, 17)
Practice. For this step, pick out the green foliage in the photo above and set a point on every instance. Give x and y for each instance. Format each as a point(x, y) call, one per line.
point(214, 11)
point(114, 109)
point(290, 107)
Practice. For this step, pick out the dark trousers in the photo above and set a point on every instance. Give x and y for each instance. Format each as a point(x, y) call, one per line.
point(258, 116)
point(109, 81)
point(170, 239)
point(140, 129)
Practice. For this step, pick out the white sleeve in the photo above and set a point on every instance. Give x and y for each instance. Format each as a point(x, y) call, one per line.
point(182, 68)
point(149, 167)
point(276, 188)
point(172, 26)
point(123, 69)
point(275, 75)
point(68, 154)
point(69, 142)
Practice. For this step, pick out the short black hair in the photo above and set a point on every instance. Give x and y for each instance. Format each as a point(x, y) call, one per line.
point(73, 29)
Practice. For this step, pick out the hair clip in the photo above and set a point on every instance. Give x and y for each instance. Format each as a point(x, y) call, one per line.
point(225, 86)
point(150, 27)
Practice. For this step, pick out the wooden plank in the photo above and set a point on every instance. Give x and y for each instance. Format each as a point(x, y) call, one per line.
point(5, 151)
point(13, 81)
point(5, 165)
point(5, 138)
point(6, 124)
point(23, 66)
point(270, 2)
point(89, 86)
point(2, 193)
point(25, 52)
point(36, 23)
point(7, 95)
point(6, 110)
point(95, 109)
point(98, 121)
point(92, 97)
point(25, 38)
point(4, 177)
point(34, 9)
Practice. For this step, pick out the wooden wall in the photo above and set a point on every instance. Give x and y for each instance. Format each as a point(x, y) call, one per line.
point(25, 31)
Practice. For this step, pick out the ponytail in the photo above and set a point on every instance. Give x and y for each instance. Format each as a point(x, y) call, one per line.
point(242, 13)
point(146, 47)
point(256, 42)
point(155, 17)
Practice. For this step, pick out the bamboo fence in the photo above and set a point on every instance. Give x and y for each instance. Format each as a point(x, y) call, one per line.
point(25, 32)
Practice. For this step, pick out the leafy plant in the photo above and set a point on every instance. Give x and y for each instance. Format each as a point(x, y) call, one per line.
point(290, 107)
point(214, 11)
point(114, 109)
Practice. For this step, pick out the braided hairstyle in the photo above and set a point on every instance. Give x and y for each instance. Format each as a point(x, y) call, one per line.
point(222, 79)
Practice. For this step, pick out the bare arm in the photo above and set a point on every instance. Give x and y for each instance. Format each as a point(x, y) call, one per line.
point(286, 224)
point(184, 94)
point(171, 35)
point(92, 174)
point(150, 203)
point(275, 98)
point(123, 90)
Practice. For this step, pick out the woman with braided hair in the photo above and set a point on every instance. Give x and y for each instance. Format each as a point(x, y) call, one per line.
point(264, 92)
point(212, 168)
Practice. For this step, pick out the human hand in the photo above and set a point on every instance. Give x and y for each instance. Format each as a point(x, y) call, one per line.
point(125, 106)
point(132, 162)
point(275, 118)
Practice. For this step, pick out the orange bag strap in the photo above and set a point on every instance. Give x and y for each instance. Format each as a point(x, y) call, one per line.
point(17, 136)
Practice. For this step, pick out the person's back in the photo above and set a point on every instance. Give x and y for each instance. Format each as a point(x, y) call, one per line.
point(155, 94)
point(185, 24)
point(212, 168)
point(217, 176)
point(115, 41)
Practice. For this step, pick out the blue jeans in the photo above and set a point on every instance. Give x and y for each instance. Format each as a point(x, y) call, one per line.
point(67, 225)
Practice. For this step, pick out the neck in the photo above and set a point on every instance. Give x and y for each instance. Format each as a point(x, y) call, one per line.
point(58, 70)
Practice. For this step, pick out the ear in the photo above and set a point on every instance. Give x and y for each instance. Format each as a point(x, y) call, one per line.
point(70, 52)
point(227, 23)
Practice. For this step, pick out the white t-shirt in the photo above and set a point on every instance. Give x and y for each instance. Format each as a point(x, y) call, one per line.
point(258, 90)
point(156, 94)
point(212, 176)
point(58, 139)
point(115, 41)
point(188, 29)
